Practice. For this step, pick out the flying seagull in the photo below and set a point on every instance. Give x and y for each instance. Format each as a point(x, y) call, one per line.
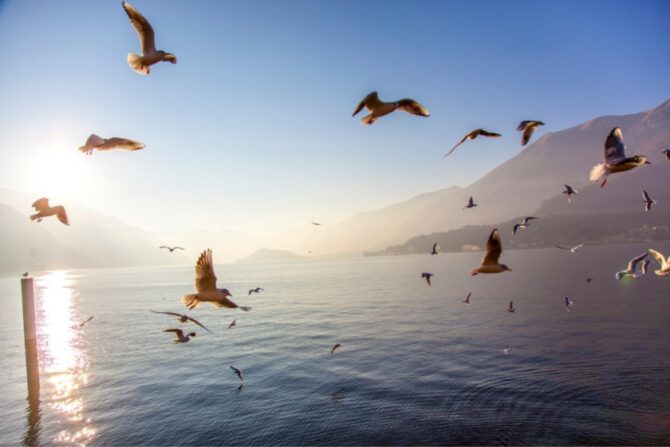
point(85, 321)
point(234, 323)
point(571, 250)
point(589, 279)
point(256, 290)
point(182, 318)
point(528, 128)
point(25, 274)
point(179, 335)
point(379, 108)
point(505, 350)
point(238, 372)
point(525, 224)
point(568, 303)
point(467, 298)
point(630, 269)
point(44, 210)
point(664, 263)
point(434, 250)
point(471, 203)
point(141, 64)
point(648, 201)
point(205, 285)
point(489, 263)
point(570, 191)
point(667, 153)
point(171, 248)
point(316, 223)
point(427, 276)
point(471, 136)
point(337, 345)
point(95, 142)
point(615, 159)
point(511, 308)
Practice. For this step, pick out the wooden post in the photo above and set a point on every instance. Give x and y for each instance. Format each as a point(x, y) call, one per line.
point(30, 337)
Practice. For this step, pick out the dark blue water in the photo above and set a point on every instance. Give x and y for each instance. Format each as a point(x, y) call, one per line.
point(416, 366)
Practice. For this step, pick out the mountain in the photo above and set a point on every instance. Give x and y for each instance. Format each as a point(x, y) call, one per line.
point(517, 187)
point(92, 240)
point(269, 255)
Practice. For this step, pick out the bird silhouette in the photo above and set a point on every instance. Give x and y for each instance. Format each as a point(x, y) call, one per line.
point(380, 108)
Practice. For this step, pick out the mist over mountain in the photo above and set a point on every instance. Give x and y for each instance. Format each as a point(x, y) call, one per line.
point(520, 186)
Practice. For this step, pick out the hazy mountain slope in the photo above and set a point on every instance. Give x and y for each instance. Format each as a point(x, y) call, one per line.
point(517, 187)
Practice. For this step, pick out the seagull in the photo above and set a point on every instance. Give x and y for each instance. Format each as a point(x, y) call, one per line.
point(205, 285)
point(589, 279)
point(171, 248)
point(471, 136)
point(380, 108)
point(256, 290)
point(471, 203)
point(615, 158)
point(234, 323)
point(632, 266)
point(467, 298)
point(145, 33)
point(528, 128)
point(570, 191)
point(667, 153)
point(511, 309)
point(85, 321)
point(505, 350)
point(664, 263)
point(427, 276)
point(179, 335)
point(109, 144)
point(648, 201)
point(337, 345)
point(489, 263)
point(316, 223)
point(238, 372)
point(25, 274)
point(568, 304)
point(525, 224)
point(44, 210)
point(434, 250)
point(571, 250)
point(182, 318)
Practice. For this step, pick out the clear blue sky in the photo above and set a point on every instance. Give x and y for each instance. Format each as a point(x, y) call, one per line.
point(252, 129)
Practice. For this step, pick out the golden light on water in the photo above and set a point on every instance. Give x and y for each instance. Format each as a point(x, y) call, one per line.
point(63, 361)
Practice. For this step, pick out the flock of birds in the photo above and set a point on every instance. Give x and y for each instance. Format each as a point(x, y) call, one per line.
point(206, 290)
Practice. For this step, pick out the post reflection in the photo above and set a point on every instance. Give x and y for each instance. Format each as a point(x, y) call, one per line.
point(63, 361)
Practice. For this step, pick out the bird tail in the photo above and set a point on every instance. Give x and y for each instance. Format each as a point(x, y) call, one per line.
point(190, 301)
point(136, 64)
point(368, 119)
point(599, 173)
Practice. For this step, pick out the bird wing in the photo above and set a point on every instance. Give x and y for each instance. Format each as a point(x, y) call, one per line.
point(646, 197)
point(523, 124)
point(237, 371)
point(528, 132)
point(615, 149)
point(205, 279)
point(435, 247)
point(61, 214)
point(178, 248)
point(659, 257)
point(486, 133)
point(528, 219)
point(463, 140)
point(144, 30)
point(167, 313)
point(632, 265)
point(561, 247)
point(93, 141)
point(121, 144)
point(576, 247)
point(413, 107)
point(493, 249)
point(371, 101)
point(516, 227)
point(198, 323)
point(41, 204)
point(645, 266)
point(178, 332)
point(471, 201)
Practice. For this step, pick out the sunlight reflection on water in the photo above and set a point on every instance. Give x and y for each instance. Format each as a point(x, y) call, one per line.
point(63, 361)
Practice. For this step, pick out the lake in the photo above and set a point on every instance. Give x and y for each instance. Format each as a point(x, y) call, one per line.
point(416, 365)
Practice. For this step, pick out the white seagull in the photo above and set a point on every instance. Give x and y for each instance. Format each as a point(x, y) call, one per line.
point(571, 250)
point(615, 159)
point(570, 191)
point(141, 64)
point(630, 269)
point(379, 108)
point(647, 200)
point(95, 142)
point(205, 285)
point(664, 263)
point(471, 136)
point(525, 224)
point(489, 263)
point(44, 210)
point(528, 128)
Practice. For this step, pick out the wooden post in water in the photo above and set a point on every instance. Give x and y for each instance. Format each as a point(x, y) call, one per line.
point(30, 337)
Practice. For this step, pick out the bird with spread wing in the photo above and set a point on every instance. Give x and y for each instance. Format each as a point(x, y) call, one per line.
point(471, 136)
point(141, 64)
point(491, 257)
point(94, 142)
point(45, 210)
point(379, 108)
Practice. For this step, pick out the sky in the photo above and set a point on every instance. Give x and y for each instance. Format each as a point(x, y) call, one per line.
point(252, 130)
